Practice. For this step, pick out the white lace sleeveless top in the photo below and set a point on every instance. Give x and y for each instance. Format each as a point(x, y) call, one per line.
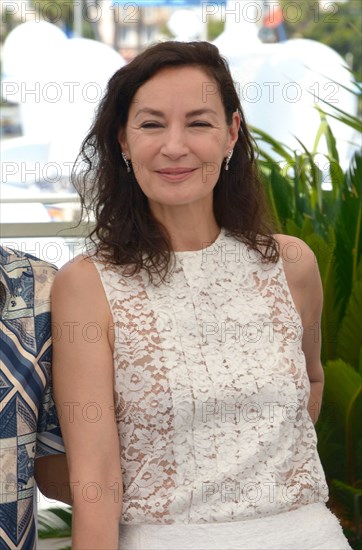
point(211, 390)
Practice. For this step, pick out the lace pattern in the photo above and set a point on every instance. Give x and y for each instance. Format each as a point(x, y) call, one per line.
point(211, 390)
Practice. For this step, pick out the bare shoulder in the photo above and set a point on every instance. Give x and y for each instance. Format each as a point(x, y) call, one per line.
point(77, 286)
point(298, 259)
point(80, 275)
point(302, 273)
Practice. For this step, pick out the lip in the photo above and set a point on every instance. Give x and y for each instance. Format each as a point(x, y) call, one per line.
point(175, 174)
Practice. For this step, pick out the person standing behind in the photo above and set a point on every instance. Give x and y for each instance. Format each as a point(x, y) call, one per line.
point(31, 445)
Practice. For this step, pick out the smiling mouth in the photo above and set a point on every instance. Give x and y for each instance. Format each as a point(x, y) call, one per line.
point(175, 171)
point(175, 174)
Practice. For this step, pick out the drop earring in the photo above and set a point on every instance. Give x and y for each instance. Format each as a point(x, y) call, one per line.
point(227, 160)
point(126, 162)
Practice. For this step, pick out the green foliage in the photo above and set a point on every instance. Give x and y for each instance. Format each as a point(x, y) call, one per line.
point(342, 411)
point(214, 28)
point(330, 222)
point(57, 12)
point(348, 343)
point(54, 523)
point(349, 499)
point(336, 24)
point(9, 22)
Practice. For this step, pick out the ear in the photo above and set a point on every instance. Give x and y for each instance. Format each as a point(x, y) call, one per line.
point(233, 131)
point(122, 140)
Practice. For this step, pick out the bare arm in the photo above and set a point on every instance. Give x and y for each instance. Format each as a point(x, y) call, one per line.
point(83, 389)
point(306, 288)
point(52, 477)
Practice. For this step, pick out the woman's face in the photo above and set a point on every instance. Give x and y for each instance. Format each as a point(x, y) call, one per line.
point(177, 137)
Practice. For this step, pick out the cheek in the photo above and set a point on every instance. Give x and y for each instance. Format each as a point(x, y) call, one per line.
point(217, 146)
point(213, 156)
point(145, 151)
point(141, 153)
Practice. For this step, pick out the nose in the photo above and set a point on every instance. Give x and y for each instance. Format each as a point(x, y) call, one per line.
point(175, 143)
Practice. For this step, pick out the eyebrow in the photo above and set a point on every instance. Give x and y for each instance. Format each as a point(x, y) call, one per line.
point(196, 112)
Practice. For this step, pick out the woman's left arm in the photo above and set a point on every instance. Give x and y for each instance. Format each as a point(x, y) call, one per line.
point(306, 288)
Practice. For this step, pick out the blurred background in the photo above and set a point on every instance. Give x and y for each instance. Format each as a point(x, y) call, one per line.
point(57, 56)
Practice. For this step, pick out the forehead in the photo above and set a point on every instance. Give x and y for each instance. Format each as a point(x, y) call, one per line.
point(182, 85)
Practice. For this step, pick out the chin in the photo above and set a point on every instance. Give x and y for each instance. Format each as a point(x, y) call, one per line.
point(177, 199)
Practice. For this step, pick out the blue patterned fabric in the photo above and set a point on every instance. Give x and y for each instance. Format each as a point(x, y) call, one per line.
point(29, 425)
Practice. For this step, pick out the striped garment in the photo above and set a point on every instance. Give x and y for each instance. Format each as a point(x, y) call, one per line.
point(29, 425)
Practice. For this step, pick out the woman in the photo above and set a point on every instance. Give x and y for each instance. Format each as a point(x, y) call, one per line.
point(185, 388)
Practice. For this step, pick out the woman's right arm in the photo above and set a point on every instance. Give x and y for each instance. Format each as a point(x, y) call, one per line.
point(83, 387)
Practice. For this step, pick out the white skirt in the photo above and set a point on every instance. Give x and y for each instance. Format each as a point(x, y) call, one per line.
point(311, 527)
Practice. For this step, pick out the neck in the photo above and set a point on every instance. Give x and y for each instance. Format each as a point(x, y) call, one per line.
point(190, 227)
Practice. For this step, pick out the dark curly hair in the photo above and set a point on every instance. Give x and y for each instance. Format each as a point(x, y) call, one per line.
point(126, 233)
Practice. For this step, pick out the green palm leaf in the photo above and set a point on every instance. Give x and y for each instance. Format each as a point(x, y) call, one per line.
point(283, 150)
point(54, 523)
point(291, 228)
point(315, 178)
point(330, 318)
point(343, 398)
point(354, 183)
point(349, 343)
point(348, 234)
point(279, 194)
point(323, 252)
point(343, 116)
